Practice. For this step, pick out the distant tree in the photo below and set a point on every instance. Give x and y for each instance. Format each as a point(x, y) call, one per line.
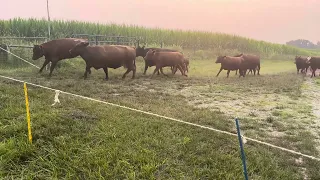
point(302, 43)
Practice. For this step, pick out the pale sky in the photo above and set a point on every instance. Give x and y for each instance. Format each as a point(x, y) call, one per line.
point(270, 20)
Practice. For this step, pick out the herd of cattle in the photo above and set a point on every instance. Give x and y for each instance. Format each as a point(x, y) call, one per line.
point(305, 63)
point(115, 56)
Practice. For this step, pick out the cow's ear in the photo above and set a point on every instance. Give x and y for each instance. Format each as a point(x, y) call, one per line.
point(153, 51)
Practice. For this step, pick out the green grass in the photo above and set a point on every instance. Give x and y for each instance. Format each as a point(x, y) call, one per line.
point(201, 43)
point(88, 140)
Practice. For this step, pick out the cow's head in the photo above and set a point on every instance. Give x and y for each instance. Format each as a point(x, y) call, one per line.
point(220, 59)
point(78, 49)
point(140, 51)
point(38, 52)
point(150, 54)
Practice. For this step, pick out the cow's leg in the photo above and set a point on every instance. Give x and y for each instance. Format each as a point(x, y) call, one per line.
point(105, 69)
point(236, 71)
point(182, 71)
point(134, 71)
point(229, 73)
point(313, 72)
point(53, 65)
point(46, 62)
point(219, 72)
point(86, 71)
point(155, 70)
point(159, 72)
point(254, 71)
point(125, 74)
point(175, 69)
point(162, 71)
point(145, 67)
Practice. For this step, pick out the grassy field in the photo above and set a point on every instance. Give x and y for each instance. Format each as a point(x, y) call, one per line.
point(88, 140)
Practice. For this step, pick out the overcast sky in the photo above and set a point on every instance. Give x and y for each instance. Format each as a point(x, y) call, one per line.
point(270, 20)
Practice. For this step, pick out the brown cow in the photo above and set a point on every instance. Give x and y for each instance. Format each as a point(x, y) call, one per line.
point(252, 62)
point(314, 63)
point(54, 51)
point(142, 51)
point(165, 59)
point(301, 64)
point(230, 63)
point(106, 56)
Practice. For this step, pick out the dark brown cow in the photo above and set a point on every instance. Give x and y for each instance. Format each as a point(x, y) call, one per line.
point(54, 51)
point(252, 63)
point(314, 63)
point(142, 51)
point(106, 56)
point(301, 64)
point(230, 63)
point(166, 59)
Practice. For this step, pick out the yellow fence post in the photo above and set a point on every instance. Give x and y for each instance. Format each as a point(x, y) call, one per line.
point(28, 112)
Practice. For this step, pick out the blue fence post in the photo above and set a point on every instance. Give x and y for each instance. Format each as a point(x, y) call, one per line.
point(243, 156)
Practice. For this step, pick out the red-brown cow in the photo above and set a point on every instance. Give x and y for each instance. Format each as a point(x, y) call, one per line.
point(230, 63)
point(166, 59)
point(107, 56)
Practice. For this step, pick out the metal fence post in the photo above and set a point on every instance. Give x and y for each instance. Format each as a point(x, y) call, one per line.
point(243, 156)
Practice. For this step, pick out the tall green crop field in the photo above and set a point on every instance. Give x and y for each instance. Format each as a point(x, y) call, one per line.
point(192, 40)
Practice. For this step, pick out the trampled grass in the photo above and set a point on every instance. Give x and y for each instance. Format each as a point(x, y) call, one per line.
point(88, 140)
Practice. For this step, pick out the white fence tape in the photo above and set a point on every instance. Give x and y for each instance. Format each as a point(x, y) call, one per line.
point(169, 118)
point(20, 58)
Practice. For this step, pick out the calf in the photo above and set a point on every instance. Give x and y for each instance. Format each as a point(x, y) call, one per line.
point(142, 51)
point(165, 59)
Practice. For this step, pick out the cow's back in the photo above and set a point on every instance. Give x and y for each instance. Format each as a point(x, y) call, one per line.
point(251, 59)
point(231, 63)
point(59, 48)
point(109, 55)
point(168, 58)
